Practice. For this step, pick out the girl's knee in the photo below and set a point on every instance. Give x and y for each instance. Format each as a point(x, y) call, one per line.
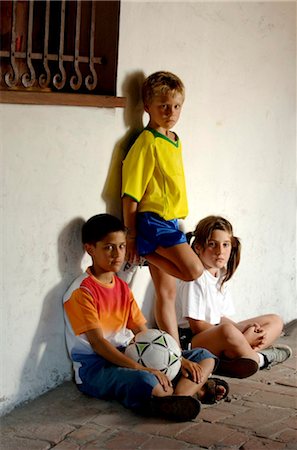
point(276, 321)
point(272, 320)
point(229, 332)
point(227, 328)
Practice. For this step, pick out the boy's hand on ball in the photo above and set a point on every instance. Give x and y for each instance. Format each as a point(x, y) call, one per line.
point(192, 370)
point(162, 378)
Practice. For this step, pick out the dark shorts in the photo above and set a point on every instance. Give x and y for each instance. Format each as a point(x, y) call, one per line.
point(154, 232)
point(185, 337)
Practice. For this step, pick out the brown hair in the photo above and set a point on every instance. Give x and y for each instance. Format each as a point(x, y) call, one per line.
point(203, 232)
point(160, 83)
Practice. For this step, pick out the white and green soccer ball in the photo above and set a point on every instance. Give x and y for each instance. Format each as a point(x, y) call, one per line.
point(156, 349)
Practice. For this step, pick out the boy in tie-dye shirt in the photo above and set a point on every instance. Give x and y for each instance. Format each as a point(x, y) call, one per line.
point(102, 316)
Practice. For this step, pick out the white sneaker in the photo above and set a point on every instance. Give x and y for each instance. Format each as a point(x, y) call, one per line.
point(275, 355)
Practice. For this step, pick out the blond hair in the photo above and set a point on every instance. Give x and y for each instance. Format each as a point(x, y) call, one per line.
point(160, 83)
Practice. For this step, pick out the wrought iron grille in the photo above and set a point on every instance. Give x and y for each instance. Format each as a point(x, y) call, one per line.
point(61, 46)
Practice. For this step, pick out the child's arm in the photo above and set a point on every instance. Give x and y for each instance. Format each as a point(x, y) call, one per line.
point(105, 349)
point(252, 331)
point(189, 369)
point(197, 326)
point(129, 215)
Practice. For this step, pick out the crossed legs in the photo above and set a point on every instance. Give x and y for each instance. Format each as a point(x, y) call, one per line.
point(243, 339)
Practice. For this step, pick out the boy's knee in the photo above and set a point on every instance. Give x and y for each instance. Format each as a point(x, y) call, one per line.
point(145, 381)
point(139, 388)
point(192, 274)
point(158, 391)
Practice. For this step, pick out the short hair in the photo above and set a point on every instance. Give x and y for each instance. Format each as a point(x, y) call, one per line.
point(160, 83)
point(99, 226)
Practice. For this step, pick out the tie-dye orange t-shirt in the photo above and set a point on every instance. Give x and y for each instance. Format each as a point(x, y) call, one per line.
point(110, 307)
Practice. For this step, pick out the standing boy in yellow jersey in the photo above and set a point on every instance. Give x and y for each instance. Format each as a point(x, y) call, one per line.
point(154, 197)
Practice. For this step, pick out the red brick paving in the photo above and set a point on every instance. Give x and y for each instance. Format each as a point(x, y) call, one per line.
point(260, 415)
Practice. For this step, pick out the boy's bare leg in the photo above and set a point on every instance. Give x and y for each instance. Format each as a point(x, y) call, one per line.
point(165, 287)
point(272, 326)
point(187, 387)
point(179, 261)
point(158, 391)
point(225, 340)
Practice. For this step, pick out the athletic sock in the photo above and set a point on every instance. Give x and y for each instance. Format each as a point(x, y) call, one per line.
point(262, 361)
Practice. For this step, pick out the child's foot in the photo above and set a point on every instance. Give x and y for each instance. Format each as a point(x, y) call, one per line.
point(275, 355)
point(179, 408)
point(213, 391)
point(237, 368)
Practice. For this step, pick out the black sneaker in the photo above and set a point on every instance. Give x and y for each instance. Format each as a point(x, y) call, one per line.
point(179, 408)
point(236, 368)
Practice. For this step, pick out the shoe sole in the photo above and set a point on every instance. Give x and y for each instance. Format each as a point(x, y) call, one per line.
point(237, 368)
point(210, 391)
point(176, 407)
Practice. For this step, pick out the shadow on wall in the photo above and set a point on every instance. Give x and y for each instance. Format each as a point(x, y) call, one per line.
point(47, 364)
point(111, 194)
point(133, 115)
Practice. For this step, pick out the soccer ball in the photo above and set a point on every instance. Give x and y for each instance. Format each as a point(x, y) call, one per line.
point(156, 349)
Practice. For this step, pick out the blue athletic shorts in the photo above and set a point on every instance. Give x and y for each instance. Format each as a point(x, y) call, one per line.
point(154, 232)
point(132, 388)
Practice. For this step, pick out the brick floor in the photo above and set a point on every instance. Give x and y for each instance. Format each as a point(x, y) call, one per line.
point(259, 414)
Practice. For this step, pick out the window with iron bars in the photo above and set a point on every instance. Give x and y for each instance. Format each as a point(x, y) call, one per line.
point(59, 47)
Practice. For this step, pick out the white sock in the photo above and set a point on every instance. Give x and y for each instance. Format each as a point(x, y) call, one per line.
point(261, 360)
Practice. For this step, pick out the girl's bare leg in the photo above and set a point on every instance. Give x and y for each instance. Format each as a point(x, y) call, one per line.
point(179, 261)
point(165, 287)
point(271, 324)
point(225, 340)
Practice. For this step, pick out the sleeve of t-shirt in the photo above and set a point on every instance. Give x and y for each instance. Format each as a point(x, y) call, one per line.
point(138, 168)
point(228, 309)
point(192, 301)
point(81, 312)
point(136, 318)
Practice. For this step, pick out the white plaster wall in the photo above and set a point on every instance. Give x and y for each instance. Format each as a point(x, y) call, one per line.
point(238, 127)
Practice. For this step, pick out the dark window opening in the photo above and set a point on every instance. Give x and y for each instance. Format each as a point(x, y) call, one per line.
point(59, 46)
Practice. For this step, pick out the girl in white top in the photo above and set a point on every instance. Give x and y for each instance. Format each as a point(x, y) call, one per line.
point(203, 307)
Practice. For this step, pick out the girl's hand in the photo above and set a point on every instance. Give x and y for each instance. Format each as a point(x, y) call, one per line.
point(162, 378)
point(256, 336)
point(255, 325)
point(131, 251)
point(192, 371)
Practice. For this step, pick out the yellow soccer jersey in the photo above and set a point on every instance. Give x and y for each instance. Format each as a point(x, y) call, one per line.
point(153, 175)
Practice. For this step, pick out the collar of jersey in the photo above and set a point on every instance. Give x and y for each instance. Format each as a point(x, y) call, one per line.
point(162, 136)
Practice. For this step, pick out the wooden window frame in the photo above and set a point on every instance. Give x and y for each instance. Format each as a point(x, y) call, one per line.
point(53, 98)
point(19, 92)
